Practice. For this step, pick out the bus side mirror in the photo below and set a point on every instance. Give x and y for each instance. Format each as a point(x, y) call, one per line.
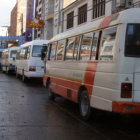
point(44, 52)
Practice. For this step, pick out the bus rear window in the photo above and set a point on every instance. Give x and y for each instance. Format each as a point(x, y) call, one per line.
point(37, 51)
point(132, 45)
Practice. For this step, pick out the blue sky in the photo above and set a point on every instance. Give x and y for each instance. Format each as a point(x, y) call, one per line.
point(5, 9)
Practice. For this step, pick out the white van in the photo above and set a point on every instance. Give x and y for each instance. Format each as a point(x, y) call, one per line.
point(8, 59)
point(28, 59)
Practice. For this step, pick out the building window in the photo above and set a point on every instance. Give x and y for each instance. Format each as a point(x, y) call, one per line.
point(70, 19)
point(98, 8)
point(82, 14)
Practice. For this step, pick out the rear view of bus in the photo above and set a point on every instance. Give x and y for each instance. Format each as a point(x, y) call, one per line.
point(130, 69)
point(8, 59)
point(29, 63)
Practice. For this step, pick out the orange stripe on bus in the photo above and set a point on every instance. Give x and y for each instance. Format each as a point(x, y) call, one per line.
point(60, 86)
point(62, 91)
point(126, 107)
point(71, 84)
point(90, 76)
point(106, 22)
point(45, 80)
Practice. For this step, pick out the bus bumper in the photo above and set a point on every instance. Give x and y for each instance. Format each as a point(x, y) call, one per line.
point(34, 74)
point(126, 107)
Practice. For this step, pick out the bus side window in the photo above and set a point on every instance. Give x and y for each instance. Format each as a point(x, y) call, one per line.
point(60, 49)
point(22, 54)
point(76, 47)
point(86, 46)
point(94, 46)
point(27, 53)
point(108, 41)
point(52, 54)
point(69, 48)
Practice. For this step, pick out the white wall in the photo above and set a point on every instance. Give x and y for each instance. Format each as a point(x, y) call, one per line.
point(3, 31)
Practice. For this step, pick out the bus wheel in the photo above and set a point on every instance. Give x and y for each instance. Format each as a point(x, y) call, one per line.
point(84, 105)
point(51, 95)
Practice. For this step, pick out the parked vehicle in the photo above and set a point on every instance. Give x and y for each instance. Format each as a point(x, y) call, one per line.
point(29, 63)
point(98, 65)
point(1, 50)
point(8, 59)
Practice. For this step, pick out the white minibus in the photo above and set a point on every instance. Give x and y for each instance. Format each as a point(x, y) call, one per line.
point(28, 59)
point(98, 64)
point(8, 59)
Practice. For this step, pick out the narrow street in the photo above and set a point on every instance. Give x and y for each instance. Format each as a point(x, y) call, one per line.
point(27, 114)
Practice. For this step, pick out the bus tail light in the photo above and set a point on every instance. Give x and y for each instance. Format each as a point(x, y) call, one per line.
point(32, 68)
point(126, 90)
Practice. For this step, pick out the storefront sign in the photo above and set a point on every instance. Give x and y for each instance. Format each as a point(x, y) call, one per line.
point(35, 23)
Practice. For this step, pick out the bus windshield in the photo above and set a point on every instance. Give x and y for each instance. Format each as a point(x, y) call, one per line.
point(37, 51)
point(132, 48)
point(13, 53)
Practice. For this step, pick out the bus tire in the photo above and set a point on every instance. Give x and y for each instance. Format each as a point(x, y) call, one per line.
point(51, 95)
point(84, 105)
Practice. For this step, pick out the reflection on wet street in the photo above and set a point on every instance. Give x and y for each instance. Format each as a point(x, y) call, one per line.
point(27, 114)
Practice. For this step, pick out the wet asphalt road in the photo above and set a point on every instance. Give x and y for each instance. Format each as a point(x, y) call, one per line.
point(27, 114)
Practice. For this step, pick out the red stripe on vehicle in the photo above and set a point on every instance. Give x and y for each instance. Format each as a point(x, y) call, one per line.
point(107, 20)
point(90, 76)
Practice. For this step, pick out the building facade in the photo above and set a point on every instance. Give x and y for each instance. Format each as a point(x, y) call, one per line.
point(4, 31)
point(13, 21)
point(21, 16)
point(50, 13)
point(81, 12)
point(18, 18)
point(63, 15)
